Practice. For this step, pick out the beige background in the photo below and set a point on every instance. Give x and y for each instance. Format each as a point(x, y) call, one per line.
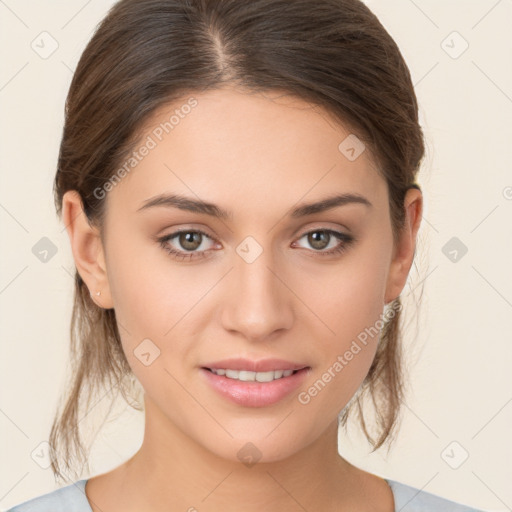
point(460, 394)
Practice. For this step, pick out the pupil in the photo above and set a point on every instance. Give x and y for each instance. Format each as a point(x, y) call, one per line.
point(188, 240)
point(316, 239)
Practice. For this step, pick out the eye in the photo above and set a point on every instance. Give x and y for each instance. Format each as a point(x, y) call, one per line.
point(320, 239)
point(190, 240)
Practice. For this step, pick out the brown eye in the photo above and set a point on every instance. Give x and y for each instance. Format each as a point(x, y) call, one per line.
point(320, 239)
point(186, 245)
point(190, 240)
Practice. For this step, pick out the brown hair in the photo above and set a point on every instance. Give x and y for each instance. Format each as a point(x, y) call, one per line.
point(148, 53)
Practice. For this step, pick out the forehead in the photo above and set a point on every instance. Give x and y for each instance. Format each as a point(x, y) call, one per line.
point(245, 150)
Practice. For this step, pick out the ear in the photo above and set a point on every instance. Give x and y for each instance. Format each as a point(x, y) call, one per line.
point(404, 250)
point(87, 248)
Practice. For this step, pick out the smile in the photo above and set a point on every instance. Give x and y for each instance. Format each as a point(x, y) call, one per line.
point(248, 376)
point(254, 389)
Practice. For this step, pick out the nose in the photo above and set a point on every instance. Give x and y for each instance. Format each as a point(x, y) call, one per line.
point(257, 301)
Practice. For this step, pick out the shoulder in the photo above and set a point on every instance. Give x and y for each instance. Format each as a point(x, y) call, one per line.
point(71, 498)
point(411, 499)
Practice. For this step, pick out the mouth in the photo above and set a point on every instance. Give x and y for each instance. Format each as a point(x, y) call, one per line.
point(250, 376)
point(250, 388)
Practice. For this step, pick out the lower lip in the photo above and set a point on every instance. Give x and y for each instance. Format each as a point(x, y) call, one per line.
point(255, 394)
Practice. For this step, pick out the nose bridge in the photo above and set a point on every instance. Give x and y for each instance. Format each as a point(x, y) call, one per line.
point(258, 302)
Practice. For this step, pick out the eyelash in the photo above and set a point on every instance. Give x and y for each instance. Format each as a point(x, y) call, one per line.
point(339, 249)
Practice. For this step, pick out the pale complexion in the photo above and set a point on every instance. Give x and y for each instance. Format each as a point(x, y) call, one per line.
point(258, 157)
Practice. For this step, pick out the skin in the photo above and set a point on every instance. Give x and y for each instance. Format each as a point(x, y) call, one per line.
point(258, 156)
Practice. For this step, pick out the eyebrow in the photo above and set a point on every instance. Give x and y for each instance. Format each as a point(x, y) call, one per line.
point(198, 206)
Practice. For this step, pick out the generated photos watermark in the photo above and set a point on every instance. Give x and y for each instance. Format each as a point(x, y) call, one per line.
point(151, 142)
point(343, 360)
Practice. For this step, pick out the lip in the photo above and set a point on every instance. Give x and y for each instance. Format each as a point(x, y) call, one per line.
point(263, 365)
point(255, 394)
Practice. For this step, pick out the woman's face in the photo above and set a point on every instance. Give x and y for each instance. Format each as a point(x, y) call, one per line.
point(261, 283)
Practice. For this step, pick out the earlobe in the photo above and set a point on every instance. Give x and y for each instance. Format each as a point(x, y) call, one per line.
point(405, 250)
point(87, 249)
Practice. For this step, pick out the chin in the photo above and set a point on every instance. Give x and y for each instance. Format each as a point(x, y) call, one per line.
point(258, 446)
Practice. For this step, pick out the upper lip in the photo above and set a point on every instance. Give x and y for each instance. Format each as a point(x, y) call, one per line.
point(262, 365)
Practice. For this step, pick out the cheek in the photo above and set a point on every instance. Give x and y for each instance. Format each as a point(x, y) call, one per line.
point(149, 291)
point(345, 299)
point(348, 303)
point(157, 303)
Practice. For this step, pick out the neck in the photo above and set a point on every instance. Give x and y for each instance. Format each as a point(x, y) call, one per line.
point(180, 474)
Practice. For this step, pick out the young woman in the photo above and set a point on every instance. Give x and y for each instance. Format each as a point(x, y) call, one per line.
point(237, 180)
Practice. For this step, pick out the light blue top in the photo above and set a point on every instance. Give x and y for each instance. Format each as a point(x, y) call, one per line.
point(72, 498)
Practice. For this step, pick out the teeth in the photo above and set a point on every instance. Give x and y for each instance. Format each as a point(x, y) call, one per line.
point(247, 376)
